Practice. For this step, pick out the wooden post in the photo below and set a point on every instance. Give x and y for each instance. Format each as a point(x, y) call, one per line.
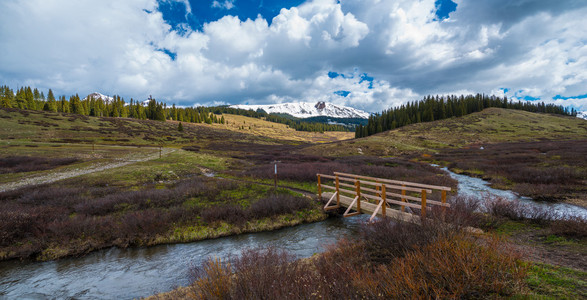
point(337, 192)
point(160, 150)
point(93, 147)
point(358, 194)
point(403, 199)
point(384, 200)
point(319, 188)
point(275, 173)
point(423, 210)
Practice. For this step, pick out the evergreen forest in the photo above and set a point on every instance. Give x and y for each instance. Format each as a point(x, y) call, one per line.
point(433, 108)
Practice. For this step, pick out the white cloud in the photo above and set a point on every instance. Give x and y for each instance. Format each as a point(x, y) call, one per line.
point(118, 47)
point(227, 4)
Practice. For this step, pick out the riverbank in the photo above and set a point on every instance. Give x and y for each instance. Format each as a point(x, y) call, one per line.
point(136, 272)
point(183, 234)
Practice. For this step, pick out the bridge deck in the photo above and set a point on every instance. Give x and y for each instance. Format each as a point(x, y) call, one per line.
point(369, 208)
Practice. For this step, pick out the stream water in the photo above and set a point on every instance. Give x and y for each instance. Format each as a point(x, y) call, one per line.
point(476, 187)
point(131, 273)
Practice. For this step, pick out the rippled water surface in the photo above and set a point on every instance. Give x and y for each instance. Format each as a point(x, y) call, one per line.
point(130, 273)
point(476, 187)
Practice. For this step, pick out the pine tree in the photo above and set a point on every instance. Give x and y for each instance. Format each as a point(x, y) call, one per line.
point(52, 105)
point(30, 98)
point(20, 99)
point(180, 127)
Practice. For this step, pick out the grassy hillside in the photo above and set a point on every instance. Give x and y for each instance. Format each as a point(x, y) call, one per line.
point(278, 131)
point(493, 125)
point(39, 126)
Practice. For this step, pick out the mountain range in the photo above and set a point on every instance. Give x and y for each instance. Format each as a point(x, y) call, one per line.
point(309, 109)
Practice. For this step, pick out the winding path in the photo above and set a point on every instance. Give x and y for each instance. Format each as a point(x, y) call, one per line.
point(56, 176)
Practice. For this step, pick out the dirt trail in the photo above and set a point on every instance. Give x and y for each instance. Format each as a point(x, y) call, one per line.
point(56, 176)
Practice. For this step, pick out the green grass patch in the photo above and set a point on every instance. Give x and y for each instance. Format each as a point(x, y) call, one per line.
point(512, 227)
point(552, 282)
point(170, 167)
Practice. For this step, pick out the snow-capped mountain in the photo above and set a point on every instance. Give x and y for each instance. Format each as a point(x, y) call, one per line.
point(309, 109)
point(582, 115)
point(97, 96)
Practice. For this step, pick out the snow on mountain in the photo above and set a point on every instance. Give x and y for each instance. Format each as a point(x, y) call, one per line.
point(582, 115)
point(309, 109)
point(97, 96)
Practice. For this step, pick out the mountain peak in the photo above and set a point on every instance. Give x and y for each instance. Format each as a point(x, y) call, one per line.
point(309, 109)
point(97, 96)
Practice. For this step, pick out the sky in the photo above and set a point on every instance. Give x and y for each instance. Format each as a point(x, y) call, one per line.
point(367, 54)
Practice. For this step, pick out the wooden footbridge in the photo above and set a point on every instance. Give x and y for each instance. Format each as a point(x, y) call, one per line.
point(403, 200)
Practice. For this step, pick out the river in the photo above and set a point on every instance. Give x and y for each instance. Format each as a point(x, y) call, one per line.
point(138, 272)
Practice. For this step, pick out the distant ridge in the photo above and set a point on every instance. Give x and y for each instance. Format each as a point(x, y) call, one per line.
point(309, 109)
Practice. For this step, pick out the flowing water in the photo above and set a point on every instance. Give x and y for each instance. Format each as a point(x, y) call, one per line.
point(476, 187)
point(130, 273)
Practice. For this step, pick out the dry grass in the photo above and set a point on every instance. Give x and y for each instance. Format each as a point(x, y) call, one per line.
point(278, 131)
point(493, 125)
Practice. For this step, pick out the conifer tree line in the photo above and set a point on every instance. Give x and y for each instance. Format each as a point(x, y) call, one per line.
point(27, 98)
point(292, 122)
point(32, 99)
point(433, 108)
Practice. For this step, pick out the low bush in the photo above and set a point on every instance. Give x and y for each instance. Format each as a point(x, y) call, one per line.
point(517, 211)
point(17, 164)
point(572, 227)
point(262, 274)
point(233, 214)
point(276, 205)
point(541, 192)
point(387, 239)
point(456, 268)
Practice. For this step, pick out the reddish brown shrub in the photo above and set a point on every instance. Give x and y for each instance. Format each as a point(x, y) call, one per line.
point(17, 164)
point(277, 205)
point(573, 227)
point(459, 267)
point(233, 214)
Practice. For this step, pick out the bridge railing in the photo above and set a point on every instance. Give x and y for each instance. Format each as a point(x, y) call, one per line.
point(386, 193)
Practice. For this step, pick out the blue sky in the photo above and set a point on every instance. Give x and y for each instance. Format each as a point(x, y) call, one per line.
point(203, 12)
point(369, 54)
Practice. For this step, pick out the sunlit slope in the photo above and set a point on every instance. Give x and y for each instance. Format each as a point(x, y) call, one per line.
point(39, 126)
point(492, 125)
point(272, 130)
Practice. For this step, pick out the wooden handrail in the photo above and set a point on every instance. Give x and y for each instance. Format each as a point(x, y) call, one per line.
point(426, 186)
point(372, 183)
point(328, 186)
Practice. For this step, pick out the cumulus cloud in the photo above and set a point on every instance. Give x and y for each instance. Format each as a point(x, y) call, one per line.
point(516, 48)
